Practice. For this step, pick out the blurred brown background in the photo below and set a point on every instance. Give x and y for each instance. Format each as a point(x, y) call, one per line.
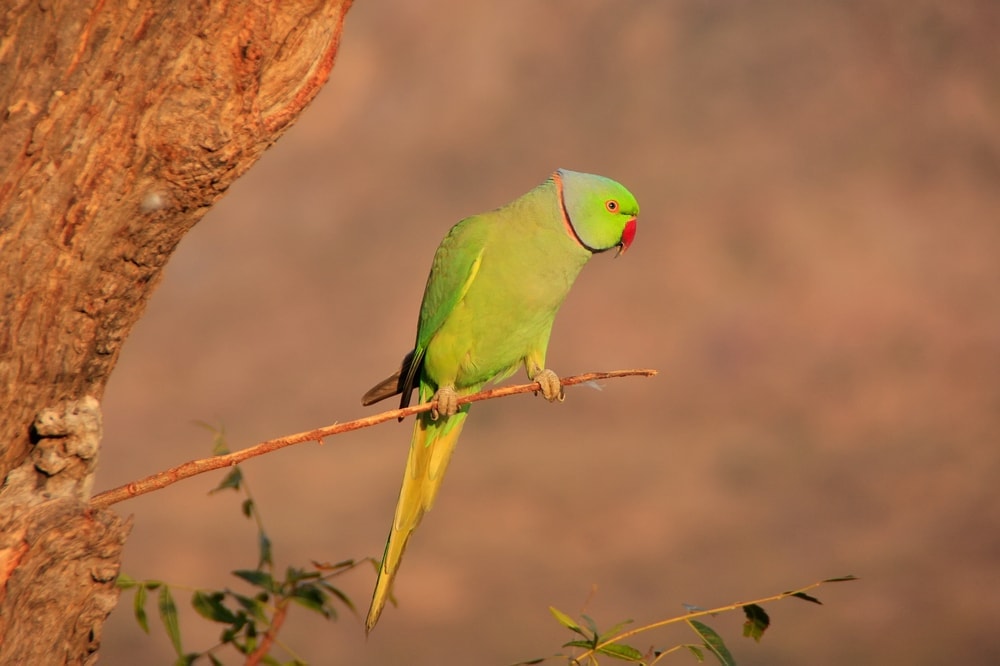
point(816, 276)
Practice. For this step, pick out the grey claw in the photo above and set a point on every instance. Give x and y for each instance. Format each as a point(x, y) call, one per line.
point(446, 400)
point(552, 389)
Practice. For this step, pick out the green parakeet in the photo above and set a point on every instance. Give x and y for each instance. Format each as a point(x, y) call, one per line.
point(494, 288)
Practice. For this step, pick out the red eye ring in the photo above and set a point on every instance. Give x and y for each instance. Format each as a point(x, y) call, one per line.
point(611, 205)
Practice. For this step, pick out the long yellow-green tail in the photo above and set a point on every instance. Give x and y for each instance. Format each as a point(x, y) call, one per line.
point(430, 451)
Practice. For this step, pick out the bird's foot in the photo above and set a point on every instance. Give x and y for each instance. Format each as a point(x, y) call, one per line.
point(552, 390)
point(446, 402)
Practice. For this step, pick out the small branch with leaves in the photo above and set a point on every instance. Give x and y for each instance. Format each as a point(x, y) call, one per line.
point(194, 467)
point(611, 643)
point(249, 622)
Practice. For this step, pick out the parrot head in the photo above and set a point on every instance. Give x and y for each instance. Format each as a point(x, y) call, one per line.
point(598, 212)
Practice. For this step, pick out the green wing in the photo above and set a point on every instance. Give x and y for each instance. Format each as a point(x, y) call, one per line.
point(456, 264)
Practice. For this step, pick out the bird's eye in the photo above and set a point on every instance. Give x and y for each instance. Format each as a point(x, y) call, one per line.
point(611, 205)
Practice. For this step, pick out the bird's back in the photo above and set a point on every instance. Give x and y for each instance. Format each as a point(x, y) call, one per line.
point(526, 265)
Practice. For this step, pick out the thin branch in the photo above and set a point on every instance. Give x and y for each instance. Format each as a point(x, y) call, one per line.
point(194, 467)
point(262, 651)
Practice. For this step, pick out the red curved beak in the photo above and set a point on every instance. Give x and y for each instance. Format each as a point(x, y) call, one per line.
point(628, 235)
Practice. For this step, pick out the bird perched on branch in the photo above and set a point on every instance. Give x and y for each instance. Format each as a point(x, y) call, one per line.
point(495, 285)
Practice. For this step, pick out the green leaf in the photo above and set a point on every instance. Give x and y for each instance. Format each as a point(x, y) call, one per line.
point(232, 480)
point(696, 652)
point(567, 621)
point(294, 575)
point(168, 613)
point(247, 507)
point(805, 597)
point(264, 545)
point(339, 567)
point(261, 579)
point(233, 630)
point(125, 581)
point(814, 600)
point(255, 607)
point(622, 651)
point(251, 643)
point(587, 644)
point(589, 621)
point(218, 437)
point(314, 599)
point(209, 605)
point(219, 446)
point(613, 630)
point(757, 622)
point(215, 660)
point(344, 599)
point(140, 608)
point(713, 642)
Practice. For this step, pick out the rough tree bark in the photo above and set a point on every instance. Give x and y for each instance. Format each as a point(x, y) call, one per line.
point(121, 124)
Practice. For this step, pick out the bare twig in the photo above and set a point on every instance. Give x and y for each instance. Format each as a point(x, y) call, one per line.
point(194, 467)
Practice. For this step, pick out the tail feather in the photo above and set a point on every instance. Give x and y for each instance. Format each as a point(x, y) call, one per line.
point(399, 382)
point(430, 451)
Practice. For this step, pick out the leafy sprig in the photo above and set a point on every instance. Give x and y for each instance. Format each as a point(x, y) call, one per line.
point(611, 642)
point(250, 621)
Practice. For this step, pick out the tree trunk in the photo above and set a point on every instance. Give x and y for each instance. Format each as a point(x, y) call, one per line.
point(120, 125)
